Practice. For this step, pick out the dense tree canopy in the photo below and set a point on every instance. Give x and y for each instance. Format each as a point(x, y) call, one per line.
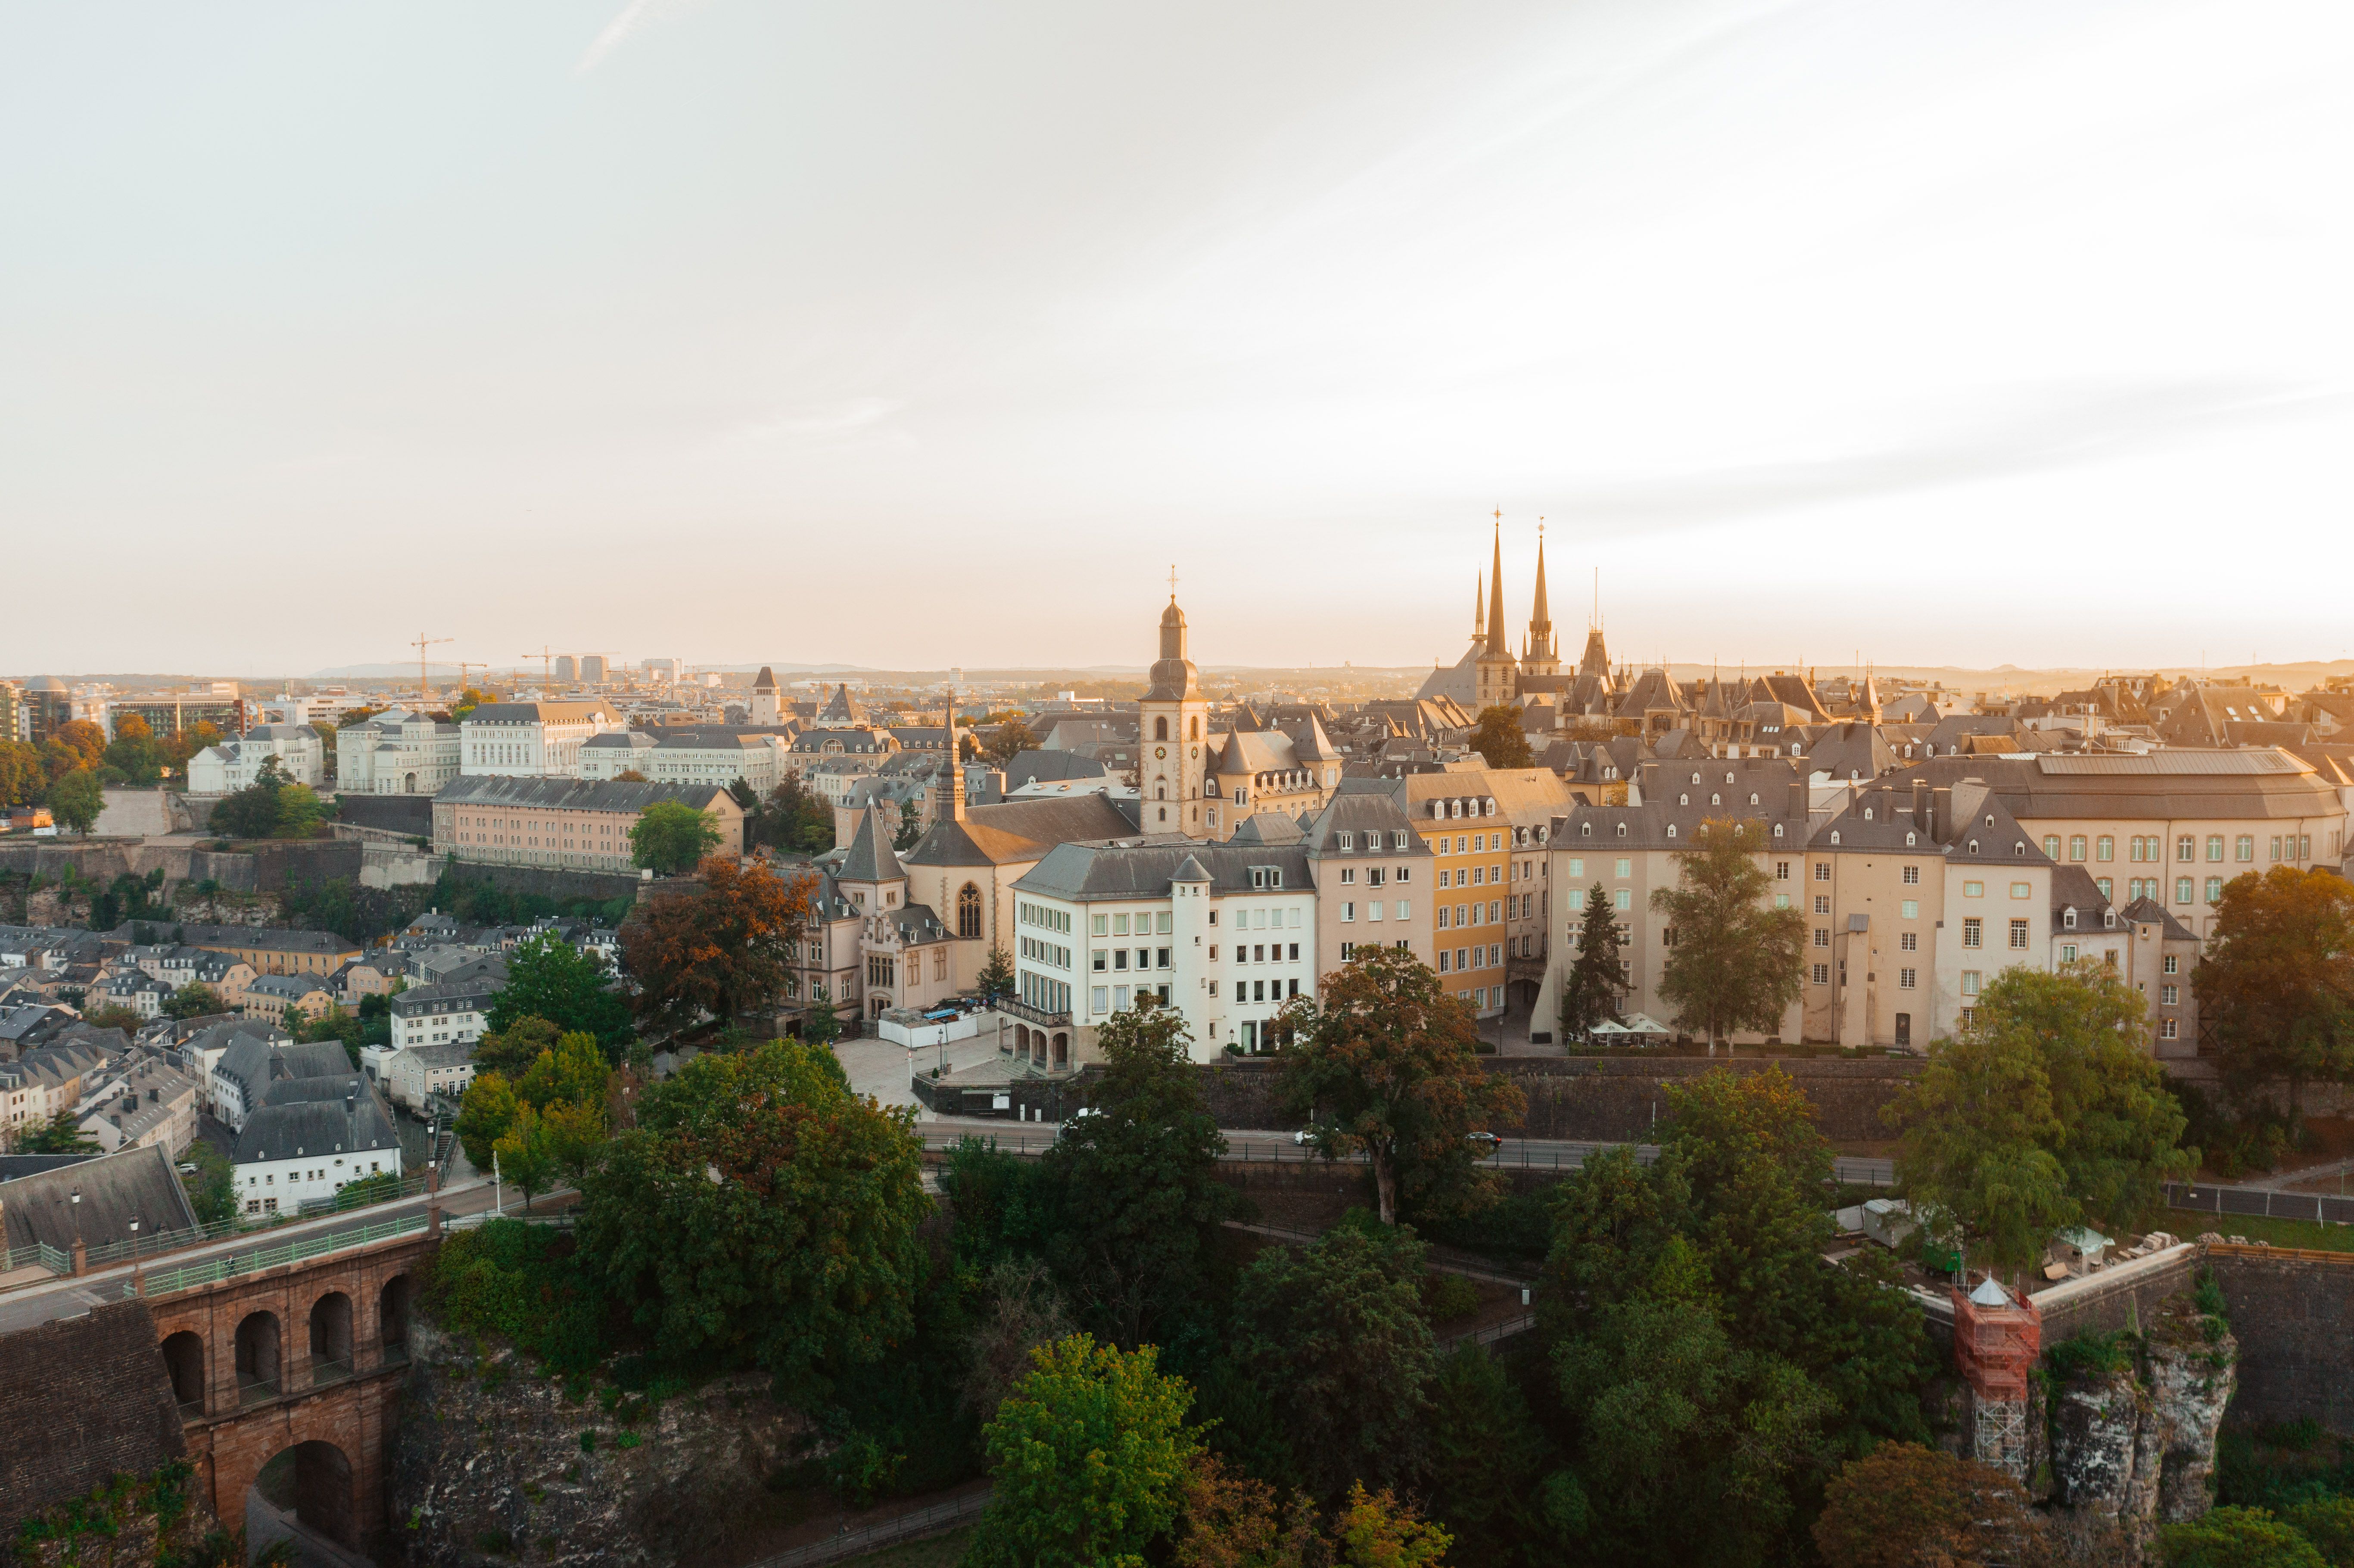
point(77, 799)
point(2276, 985)
point(1386, 1064)
point(761, 1214)
point(718, 949)
point(548, 978)
point(2046, 1112)
point(1091, 1457)
point(670, 837)
point(1135, 1183)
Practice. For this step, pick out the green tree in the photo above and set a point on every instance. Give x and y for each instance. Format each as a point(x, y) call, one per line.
point(76, 800)
point(1388, 1063)
point(2277, 983)
point(211, 1186)
point(2328, 1523)
point(134, 751)
point(2237, 1538)
point(1090, 1457)
point(569, 987)
point(996, 977)
point(484, 1114)
point(1499, 739)
point(911, 827)
point(255, 812)
point(1487, 1461)
point(1009, 738)
point(193, 1000)
point(1377, 1530)
point(61, 1134)
point(795, 818)
point(1136, 1183)
point(524, 1155)
point(2044, 1112)
point(670, 837)
point(1735, 963)
point(1692, 1449)
point(717, 947)
point(300, 809)
point(574, 1134)
point(821, 1026)
point(759, 1214)
point(1337, 1329)
point(1906, 1504)
point(1590, 991)
point(512, 1050)
point(572, 1071)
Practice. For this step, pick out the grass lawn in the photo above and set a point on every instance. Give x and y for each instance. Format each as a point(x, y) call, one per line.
point(2280, 1233)
point(940, 1551)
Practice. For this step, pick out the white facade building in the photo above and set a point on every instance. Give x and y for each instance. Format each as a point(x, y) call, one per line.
point(536, 740)
point(396, 753)
point(235, 764)
point(688, 754)
point(441, 1014)
point(306, 1152)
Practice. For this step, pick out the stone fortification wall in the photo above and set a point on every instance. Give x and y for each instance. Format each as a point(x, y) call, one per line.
point(1607, 1098)
point(2294, 1315)
point(81, 1400)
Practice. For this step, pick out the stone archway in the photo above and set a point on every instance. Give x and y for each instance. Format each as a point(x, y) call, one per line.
point(184, 1360)
point(331, 1338)
point(392, 1318)
point(314, 1484)
point(260, 1357)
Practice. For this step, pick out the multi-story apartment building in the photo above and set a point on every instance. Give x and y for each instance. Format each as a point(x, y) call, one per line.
point(1227, 932)
point(275, 997)
point(683, 754)
point(566, 823)
point(1488, 831)
point(531, 740)
point(235, 764)
point(440, 1014)
point(151, 1102)
point(396, 752)
point(2172, 826)
point(2141, 944)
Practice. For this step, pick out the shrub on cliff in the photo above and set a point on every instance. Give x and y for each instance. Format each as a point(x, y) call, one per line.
point(523, 1283)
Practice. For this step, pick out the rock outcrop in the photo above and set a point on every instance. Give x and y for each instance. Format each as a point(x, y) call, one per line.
point(2132, 1433)
point(493, 1463)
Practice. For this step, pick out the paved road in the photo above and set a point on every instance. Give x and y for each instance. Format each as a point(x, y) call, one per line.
point(38, 1304)
point(1277, 1146)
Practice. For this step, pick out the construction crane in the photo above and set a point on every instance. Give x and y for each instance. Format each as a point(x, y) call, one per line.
point(546, 657)
point(421, 644)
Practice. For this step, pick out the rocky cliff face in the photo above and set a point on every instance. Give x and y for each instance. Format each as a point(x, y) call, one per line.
point(2132, 1433)
point(493, 1463)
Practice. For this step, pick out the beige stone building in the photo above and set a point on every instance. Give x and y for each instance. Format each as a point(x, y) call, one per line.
point(1490, 833)
point(563, 823)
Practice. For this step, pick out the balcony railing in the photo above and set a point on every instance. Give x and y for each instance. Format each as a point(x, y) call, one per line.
point(1025, 1011)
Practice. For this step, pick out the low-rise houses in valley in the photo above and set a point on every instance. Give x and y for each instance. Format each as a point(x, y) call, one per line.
point(275, 996)
point(303, 1153)
point(151, 1103)
point(415, 1076)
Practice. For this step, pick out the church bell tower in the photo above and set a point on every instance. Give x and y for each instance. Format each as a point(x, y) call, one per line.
point(1173, 734)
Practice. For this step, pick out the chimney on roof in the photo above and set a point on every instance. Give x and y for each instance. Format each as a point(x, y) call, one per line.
point(1921, 803)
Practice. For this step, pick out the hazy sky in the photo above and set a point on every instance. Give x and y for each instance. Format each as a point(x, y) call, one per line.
point(917, 334)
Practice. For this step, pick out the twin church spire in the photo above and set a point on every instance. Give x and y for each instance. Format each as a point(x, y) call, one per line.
point(1489, 634)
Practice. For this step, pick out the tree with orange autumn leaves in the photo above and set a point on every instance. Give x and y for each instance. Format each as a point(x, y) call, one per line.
point(716, 946)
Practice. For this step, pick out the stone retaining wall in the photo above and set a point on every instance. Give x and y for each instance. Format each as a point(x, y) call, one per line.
point(2293, 1313)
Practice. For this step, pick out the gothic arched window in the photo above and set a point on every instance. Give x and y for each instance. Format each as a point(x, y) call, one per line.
point(969, 912)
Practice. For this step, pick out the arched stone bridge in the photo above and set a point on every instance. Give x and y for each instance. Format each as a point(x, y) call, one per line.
point(308, 1356)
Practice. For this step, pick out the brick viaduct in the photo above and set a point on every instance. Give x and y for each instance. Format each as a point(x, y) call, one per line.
point(308, 1356)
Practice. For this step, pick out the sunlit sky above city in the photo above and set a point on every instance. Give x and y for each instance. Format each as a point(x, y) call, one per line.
point(929, 334)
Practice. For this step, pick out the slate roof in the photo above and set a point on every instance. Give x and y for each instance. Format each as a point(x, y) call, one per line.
point(269, 938)
point(1022, 830)
point(424, 998)
point(871, 858)
point(315, 1127)
point(2147, 911)
point(495, 790)
point(138, 1184)
point(540, 713)
point(1083, 872)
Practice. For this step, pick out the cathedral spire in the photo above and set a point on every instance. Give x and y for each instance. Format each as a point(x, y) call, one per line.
point(1540, 623)
point(1498, 640)
point(1479, 610)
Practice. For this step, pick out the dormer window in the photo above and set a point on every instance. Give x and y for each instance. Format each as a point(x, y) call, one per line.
point(1671, 829)
point(1585, 829)
point(2068, 919)
point(1835, 838)
point(1622, 830)
point(1683, 800)
point(1867, 813)
point(1989, 821)
point(2020, 848)
point(1695, 777)
point(1716, 800)
point(2109, 919)
point(1777, 830)
point(1910, 839)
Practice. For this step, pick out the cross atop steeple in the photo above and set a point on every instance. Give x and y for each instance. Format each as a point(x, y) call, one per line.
point(1172, 582)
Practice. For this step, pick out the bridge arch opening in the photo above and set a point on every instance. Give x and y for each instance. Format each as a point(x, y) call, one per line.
point(392, 1318)
point(184, 1359)
point(331, 1338)
point(258, 1376)
point(311, 1487)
